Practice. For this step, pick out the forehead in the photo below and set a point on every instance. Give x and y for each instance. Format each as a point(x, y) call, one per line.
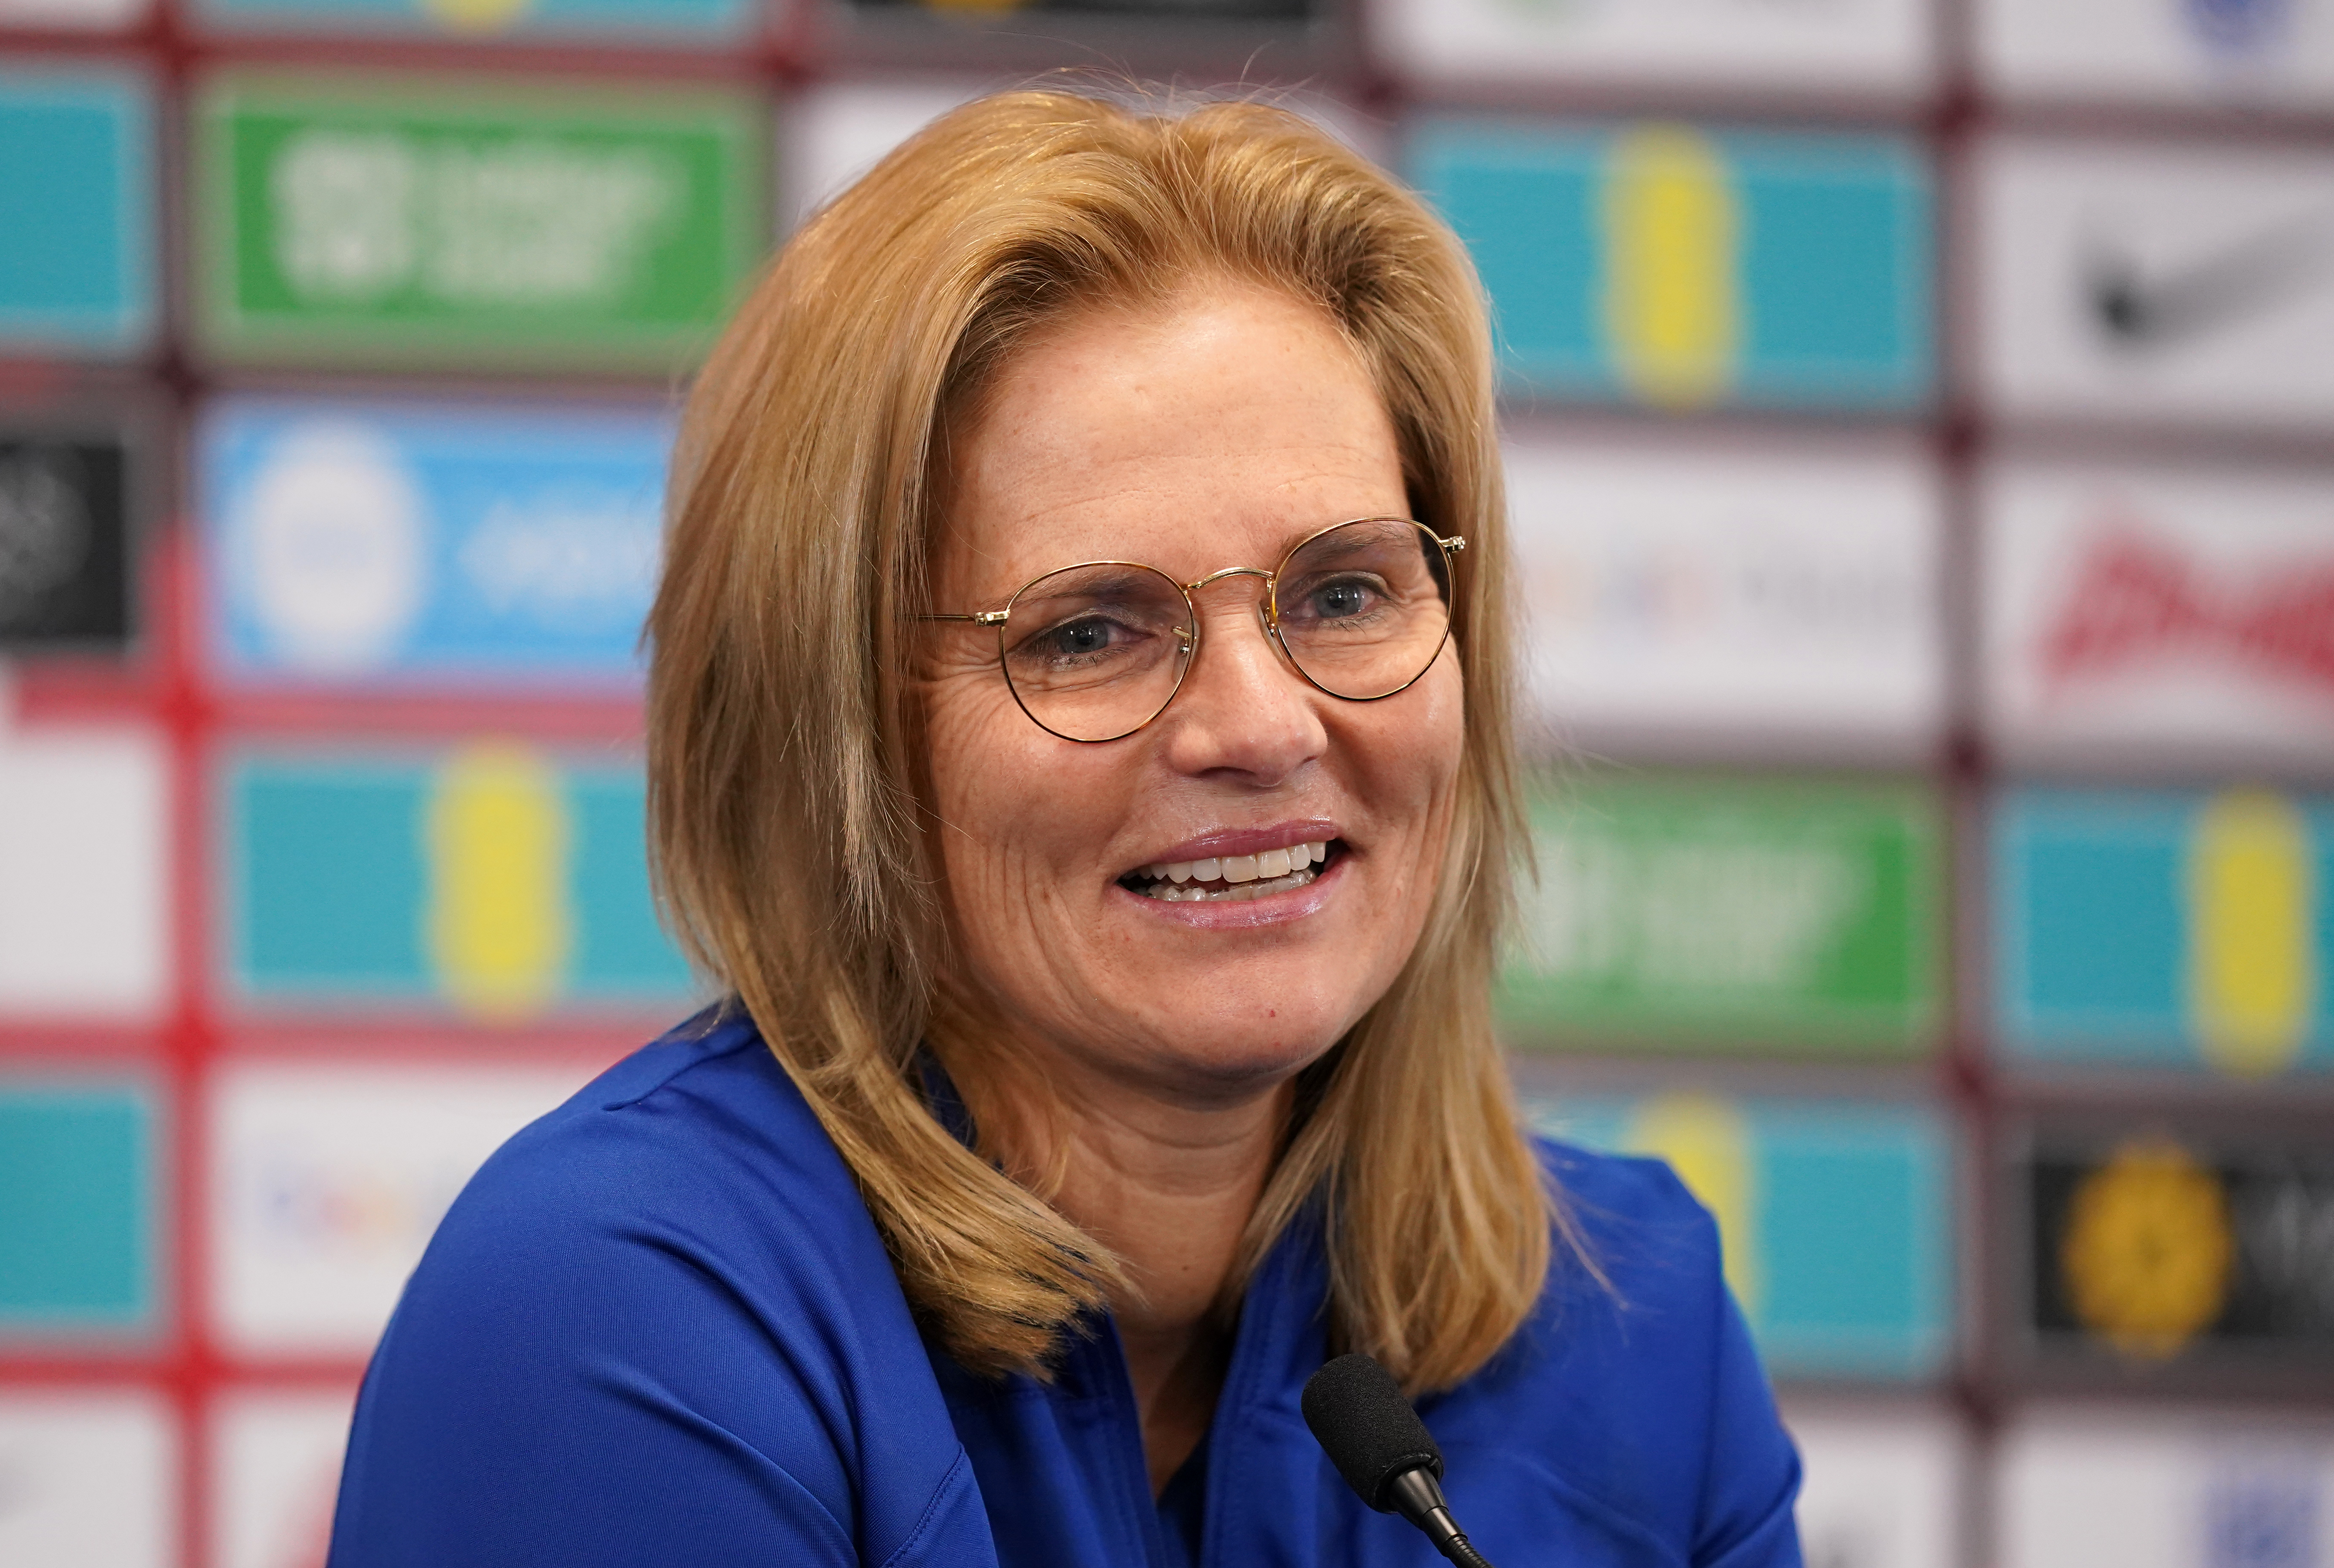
point(1214, 431)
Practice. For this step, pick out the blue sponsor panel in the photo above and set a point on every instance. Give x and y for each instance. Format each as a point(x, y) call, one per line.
point(1836, 1217)
point(677, 22)
point(79, 1222)
point(1677, 266)
point(77, 200)
point(497, 882)
point(430, 545)
point(2179, 929)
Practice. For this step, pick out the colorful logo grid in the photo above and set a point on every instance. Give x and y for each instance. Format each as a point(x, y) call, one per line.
point(1836, 1218)
point(1914, 412)
point(1677, 266)
point(496, 882)
point(2153, 929)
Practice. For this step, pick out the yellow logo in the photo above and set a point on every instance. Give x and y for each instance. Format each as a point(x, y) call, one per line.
point(2253, 983)
point(2146, 1252)
point(1707, 1141)
point(1671, 261)
point(497, 920)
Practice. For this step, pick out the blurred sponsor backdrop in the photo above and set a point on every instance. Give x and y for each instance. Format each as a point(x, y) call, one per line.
point(1919, 417)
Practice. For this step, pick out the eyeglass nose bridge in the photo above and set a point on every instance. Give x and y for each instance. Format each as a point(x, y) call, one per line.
point(1267, 609)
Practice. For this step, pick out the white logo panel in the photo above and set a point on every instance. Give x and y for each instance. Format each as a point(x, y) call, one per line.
point(2276, 52)
point(2166, 283)
point(277, 1460)
point(1731, 598)
point(1865, 47)
point(2155, 612)
point(1883, 1488)
point(328, 1181)
point(2133, 1488)
point(87, 1480)
point(83, 926)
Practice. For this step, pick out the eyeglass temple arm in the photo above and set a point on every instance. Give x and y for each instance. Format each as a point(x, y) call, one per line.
point(984, 616)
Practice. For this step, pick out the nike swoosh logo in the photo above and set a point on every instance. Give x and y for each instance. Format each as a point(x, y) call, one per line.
point(2135, 310)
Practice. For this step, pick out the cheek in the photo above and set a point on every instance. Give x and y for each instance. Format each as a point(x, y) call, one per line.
point(1020, 811)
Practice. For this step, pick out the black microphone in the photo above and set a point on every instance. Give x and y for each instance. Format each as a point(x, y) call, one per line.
point(1384, 1450)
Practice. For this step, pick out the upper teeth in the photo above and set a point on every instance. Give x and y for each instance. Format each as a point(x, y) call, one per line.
point(1241, 868)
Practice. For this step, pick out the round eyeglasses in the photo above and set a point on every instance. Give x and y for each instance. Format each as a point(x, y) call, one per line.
point(1094, 652)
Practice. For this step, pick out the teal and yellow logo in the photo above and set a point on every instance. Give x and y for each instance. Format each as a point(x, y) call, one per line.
point(1672, 316)
point(2162, 928)
point(500, 881)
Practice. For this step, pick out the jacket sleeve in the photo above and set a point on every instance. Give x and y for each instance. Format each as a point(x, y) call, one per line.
point(584, 1396)
point(1750, 1475)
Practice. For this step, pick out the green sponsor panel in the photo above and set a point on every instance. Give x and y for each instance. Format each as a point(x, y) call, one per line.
point(1710, 912)
point(433, 221)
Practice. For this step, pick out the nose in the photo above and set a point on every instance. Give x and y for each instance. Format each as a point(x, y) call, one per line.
point(1242, 711)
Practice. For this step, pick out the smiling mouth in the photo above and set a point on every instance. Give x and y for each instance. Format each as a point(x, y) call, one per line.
point(1232, 879)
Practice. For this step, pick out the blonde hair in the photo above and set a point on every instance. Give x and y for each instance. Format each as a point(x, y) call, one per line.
point(784, 818)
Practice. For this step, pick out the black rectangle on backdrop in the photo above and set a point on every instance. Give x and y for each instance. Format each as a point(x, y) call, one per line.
point(65, 541)
point(2186, 1254)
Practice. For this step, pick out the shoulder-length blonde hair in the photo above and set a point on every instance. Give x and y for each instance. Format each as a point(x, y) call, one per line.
point(783, 801)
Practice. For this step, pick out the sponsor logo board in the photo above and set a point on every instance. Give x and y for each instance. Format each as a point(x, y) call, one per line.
point(1749, 914)
point(275, 1459)
point(2165, 930)
point(329, 1180)
point(83, 874)
point(472, 221)
point(2164, 1487)
point(1882, 1487)
point(2161, 283)
point(64, 541)
point(87, 1479)
point(2160, 612)
point(77, 200)
point(2156, 1246)
point(436, 545)
point(1850, 46)
point(1835, 1216)
point(2267, 52)
point(80, 1227)
point(1723, 597)
point(1680, 268)
point(499, 883)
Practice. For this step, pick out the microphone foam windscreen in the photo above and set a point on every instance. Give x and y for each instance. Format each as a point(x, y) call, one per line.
point(1367, 1429)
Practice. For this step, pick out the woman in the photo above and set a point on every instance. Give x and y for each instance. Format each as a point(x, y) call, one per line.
point(1079, 740)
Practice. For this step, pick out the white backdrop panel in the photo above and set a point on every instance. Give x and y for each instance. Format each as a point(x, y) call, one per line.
point(2148, 611)
point(2175, 283)
point(1860, 47)
point(329, 1180)
point(1730, 599)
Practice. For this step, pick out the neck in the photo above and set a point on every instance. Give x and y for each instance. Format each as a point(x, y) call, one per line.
point(1169, 1185)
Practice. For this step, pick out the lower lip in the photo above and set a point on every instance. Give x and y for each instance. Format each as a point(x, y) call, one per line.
point(1272, 910)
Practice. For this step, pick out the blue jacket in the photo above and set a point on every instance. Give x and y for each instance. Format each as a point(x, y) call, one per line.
point(660, 1328)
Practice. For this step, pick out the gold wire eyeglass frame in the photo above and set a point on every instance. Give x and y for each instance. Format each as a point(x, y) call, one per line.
point(1450, 547)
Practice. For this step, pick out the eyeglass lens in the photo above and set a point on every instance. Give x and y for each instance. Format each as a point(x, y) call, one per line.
point(1094, 652)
